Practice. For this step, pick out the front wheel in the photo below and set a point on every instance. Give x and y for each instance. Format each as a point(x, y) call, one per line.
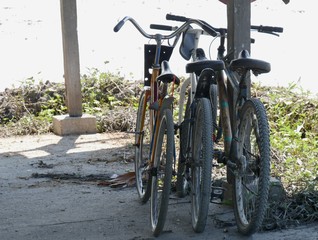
point(201, 165)
point(162, 172)
point(251, 185)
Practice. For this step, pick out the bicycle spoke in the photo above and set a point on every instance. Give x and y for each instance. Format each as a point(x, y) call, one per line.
point(249, 189)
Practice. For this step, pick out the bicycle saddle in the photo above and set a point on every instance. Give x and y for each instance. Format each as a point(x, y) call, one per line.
point(166, 75)
point(244, 63)
point(202, 62)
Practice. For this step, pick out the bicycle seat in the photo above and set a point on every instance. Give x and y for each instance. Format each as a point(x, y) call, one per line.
point(166, 75)
point(202, 62)
point(244, 63)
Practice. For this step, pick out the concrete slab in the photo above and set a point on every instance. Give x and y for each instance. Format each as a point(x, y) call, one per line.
point(66, 125)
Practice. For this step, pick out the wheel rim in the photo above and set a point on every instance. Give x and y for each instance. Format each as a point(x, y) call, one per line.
point(156, 206)
point(196, 192)
point(196, 174)
point(142, 175)
point(158, 177)
point(141, 167)
point(142, 153)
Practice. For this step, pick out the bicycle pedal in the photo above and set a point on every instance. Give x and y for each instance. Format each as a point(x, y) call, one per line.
point(217, 193)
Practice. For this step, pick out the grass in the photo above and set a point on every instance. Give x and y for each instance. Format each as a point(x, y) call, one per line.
point(293, 119)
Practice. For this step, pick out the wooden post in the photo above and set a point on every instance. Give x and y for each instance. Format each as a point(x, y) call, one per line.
point(71, 57)
point(239, 26)
point(239, 30)
point(75, 122)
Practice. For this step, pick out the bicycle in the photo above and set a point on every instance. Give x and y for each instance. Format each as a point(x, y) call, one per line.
point(244, 127)
point(153, 159)
point(196, 143)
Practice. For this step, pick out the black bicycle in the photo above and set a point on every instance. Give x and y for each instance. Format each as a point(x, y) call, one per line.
point(242, 125)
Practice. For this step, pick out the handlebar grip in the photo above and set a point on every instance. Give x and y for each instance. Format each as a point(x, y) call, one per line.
point(162, 27)
point(176, 18)
point(277, 29)
point(268, 29)
point(119, 25)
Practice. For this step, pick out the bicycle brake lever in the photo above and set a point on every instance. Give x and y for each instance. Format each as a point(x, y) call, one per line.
point(269, 32)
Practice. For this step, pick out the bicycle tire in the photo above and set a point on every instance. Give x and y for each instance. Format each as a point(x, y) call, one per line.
point(201, 166)
point(142, 151)
point(251, 185)
point(162, 172)
point(182, 185)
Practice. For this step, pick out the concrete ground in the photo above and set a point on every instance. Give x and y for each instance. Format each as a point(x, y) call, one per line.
point(51, 187)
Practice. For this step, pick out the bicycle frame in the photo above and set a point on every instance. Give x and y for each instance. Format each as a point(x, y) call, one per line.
point(154, 166)
point(152, 93)
point(232, 91)
point(159, 100)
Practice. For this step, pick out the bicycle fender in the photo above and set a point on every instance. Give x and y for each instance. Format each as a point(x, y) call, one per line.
point(166, 104)
point(207, 77)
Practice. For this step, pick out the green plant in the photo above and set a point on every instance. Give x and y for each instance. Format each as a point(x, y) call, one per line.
point(111, 98)
point(293, 117)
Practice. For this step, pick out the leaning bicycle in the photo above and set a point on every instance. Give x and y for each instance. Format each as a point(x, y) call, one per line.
point(196, 127)
point(244, 128)
point(154, 142)
point(246, 136)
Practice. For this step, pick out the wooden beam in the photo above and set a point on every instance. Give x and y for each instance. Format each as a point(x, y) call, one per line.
point(227, 1)
point(239, 26)
point(71, 57)
point(239, 31)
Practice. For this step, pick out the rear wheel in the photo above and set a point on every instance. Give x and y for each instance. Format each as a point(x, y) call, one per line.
point(162, 172)
point(251, 185)
point(201, 165)
point(142, 149)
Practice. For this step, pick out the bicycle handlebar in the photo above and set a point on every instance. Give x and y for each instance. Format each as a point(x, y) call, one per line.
point(176, 18)
point(119, 25)
point(163, 27)
point(267, 29)
point(127, 18)
point(206, 27)
point(261, 28)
